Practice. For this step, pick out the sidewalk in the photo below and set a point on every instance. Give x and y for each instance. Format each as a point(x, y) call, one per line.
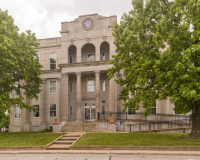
point(130, 152)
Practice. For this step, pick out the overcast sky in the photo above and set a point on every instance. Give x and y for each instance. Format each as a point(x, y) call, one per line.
point(44, 17)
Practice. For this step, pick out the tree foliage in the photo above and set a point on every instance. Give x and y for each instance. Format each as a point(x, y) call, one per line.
point(158, 50)
point(18, 65)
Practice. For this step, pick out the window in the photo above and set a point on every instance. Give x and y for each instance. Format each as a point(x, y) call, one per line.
point(103, 85)
point(103, 57)
point(70, 111)
point(70, 59)
point(103, 110)
point(52, 110)
point(70, 87)
point(17, 112)
point(53, 87)
point(90, 57)
point(36, 113)
point(52, 60)
point(131, 110)
point(16, 92)
point(37, 57)
point(153, 110)
point(90, 85)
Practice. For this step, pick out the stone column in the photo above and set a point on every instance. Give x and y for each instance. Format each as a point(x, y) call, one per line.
point(43, 105)
point(78, 97)
point(97, 92)
point(64, 98)
point(78, 55)
point(112, 94)
point(97, 54)
point(58, 105)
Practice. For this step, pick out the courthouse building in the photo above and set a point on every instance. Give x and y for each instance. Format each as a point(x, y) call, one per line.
point(75, 82)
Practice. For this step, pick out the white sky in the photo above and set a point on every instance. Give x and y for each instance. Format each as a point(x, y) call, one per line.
point(44, 17)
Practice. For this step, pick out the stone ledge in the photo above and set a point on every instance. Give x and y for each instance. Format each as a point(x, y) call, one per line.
point(154, 148)
point(22, 148)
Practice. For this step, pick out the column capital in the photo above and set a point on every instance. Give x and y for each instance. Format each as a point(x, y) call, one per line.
point(97, 73)
point(78, 74)
point(64, 75)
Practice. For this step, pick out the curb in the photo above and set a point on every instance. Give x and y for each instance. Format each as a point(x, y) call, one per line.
point(133, 148)
point(182, 153)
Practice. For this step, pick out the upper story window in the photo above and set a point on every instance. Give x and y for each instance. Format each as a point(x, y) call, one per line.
point(17, 112)
point(103, 57)
point(70, 59)
point(90, 57)
point(16, 93)
point(70, 87)
point(52, 87)
point(103, 85)
point(90, 85)
point(52, 60)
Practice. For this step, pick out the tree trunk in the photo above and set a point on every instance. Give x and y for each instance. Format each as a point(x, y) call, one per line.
point(196, 120)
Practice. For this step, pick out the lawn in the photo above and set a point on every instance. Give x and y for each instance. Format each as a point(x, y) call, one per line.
point(27, 138)
point(137, 139)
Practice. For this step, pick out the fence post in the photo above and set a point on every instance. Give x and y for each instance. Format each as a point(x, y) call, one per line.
point(126, 115)
point(140, 126)
point(130, 127)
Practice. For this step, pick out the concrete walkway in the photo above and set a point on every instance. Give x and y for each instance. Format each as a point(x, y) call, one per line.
point(186, 153)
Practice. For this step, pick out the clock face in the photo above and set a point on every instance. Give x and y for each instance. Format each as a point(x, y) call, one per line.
point(88, 24)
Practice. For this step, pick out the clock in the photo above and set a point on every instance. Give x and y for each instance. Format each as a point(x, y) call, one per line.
point(88, 24)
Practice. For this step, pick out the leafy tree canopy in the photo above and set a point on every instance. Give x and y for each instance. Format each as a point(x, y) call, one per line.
point(158, 51)
point(18, 65)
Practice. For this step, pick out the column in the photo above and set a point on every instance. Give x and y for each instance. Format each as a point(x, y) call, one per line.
point(111, 94)
point(43, 105)
point(78, 97)
point(58, 105)
point(78, 55)
point(97, 54)
point(97, 91)
point(64, 98)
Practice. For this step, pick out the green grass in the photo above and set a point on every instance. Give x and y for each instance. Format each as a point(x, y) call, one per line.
point(137, 139)
point(27, 138)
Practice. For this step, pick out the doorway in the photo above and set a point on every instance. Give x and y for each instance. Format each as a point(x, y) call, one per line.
point(90, 112)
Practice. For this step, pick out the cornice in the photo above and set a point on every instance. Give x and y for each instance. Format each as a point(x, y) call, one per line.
point(52, 71)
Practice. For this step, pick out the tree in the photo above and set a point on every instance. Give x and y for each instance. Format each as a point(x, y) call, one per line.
point(4, 119)
point(19, 69)
point(158, 50)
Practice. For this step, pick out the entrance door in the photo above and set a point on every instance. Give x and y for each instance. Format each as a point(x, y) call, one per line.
point(90, 112)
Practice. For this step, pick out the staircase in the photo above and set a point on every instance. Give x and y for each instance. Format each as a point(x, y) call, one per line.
point(72, 127)
point(64, 142)
point(91, 127)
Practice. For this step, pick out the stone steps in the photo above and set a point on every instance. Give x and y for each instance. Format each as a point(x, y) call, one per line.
point(64, 142)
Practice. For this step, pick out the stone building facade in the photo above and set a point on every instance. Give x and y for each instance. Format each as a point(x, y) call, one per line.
point(75, 83)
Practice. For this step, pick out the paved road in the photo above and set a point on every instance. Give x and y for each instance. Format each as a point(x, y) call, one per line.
point(93, 157)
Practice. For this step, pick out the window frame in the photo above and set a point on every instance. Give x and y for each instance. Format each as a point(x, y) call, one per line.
point(15, 91)
point(153, 108)
point(52, 111)
point(70, 59)
point(93, 85)
point(131, 109)
point(70, 111)
point(103, 85)
point(103, 110)
point(70, 87)
point(50, 87)
point(50, 61)
point(16, 112)
point(36, 111)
